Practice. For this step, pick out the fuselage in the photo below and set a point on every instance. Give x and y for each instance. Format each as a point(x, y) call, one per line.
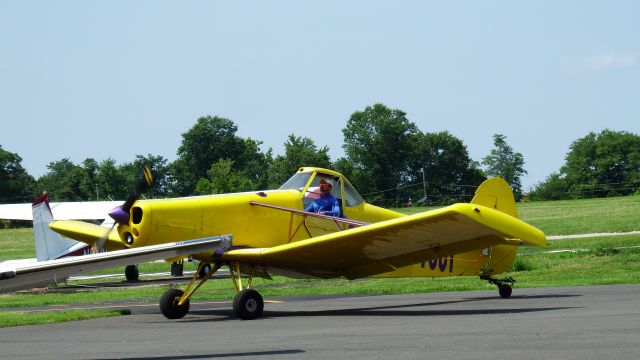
point(254, 225)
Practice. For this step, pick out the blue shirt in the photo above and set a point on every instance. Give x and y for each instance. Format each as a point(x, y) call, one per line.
point(326, 203)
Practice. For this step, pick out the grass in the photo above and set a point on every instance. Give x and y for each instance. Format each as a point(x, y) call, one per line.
point(595, 261)
point(16, 244)
point(585, 216)
point(19, 318)
point(616, 214)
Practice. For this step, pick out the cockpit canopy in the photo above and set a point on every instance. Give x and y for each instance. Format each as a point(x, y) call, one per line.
point(307, 181)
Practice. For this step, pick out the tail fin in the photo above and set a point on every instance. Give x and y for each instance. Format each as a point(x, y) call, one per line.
point(496, 193)
point(49, 244)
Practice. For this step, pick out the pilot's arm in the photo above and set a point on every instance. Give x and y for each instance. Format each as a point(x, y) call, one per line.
point(335, 209)
point(312, 207)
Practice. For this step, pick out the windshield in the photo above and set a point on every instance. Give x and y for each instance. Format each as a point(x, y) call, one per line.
point(351, 196)
point(297, 181)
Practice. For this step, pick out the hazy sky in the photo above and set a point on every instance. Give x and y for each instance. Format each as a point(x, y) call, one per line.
point(83, 79)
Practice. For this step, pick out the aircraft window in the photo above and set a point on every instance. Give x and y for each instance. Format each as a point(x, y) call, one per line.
point(351, 196)
point(297, 181)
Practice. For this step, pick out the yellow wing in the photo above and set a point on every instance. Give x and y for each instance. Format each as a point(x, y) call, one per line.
point(387, 245)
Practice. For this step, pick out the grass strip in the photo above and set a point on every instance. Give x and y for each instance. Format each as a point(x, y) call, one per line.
point(20, 318)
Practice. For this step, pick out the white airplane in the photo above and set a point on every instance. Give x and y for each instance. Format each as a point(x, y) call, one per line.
point(53, 249)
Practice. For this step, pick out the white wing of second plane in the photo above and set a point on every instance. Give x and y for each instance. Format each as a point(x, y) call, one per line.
point(78, 210)
point(16, 277)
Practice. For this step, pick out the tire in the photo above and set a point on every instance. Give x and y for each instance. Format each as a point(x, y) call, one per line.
point(505, 291)
point(248, 304)
point(131, 273)
point(169, 304)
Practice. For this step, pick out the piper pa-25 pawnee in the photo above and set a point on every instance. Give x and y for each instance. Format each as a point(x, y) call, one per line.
point(266, 233)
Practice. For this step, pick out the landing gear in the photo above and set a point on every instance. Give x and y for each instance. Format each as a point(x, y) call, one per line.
point(505, 291)
point(131, 273)
point(174, 303)
point(170, 304)
point(248, 304)
point(202, 271)
point(505, 286)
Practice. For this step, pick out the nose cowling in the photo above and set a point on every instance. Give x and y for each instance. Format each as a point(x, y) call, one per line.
point(119, 215)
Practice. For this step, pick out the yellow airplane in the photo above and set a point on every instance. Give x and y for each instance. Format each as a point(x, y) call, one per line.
point(264, 233)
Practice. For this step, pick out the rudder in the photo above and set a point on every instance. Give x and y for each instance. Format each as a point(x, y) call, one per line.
point(496, 193)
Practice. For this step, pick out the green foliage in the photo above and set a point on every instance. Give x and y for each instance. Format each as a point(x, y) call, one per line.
point(443, 162)
point(133, 171)
point(597, 165)
point(379, 141)
point(554, 187)
point(298, 152)
point(16, 185)
point(65, 181)
point(105, 180)
point(505, 163)
point(210, 140)
point(604, 164)
point(222, 179)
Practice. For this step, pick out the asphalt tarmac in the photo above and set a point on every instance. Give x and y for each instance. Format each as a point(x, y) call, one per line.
point(601, 322)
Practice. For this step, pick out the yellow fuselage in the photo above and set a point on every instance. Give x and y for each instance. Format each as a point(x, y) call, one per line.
point(254, 226)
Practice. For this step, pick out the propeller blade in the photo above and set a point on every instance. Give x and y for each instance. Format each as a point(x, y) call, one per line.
point(121, 213)
point(143, 184)
point(99, 244)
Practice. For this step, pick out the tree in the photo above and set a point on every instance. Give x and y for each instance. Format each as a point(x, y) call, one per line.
point(554, 187)
point(222, 179)
point(603, 164)
point(298, 152)
point(442, 161)
point(65, 181)
point(133, 171)
point(255, 164)
point(378, 142)
point(16, 185)
point(208, 141)
point(505, 163)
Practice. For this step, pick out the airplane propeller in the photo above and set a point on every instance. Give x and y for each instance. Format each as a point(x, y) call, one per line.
point(120, 214)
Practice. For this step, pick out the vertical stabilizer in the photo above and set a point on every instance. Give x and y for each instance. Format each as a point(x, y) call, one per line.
point(495, 193)
point(49, 245)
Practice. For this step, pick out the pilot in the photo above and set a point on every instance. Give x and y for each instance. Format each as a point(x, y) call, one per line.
point(326, 204)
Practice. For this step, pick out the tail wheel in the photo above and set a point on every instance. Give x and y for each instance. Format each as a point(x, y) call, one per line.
point(248, 304)
point(169, 304)
point(131, 273)
point(505, 291)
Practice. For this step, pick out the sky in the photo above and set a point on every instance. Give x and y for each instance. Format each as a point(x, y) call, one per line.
point(112, 79)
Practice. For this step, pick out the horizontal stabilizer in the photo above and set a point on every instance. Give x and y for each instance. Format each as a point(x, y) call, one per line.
point(86, 232)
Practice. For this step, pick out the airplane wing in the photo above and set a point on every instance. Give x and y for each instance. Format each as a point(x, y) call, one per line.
point(77, 210)
point(36, 274)
point(385, 246)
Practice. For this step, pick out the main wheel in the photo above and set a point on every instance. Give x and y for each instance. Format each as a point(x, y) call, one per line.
point(505, 291)
point(169, 304)
point(248, 304)
point(131, 273)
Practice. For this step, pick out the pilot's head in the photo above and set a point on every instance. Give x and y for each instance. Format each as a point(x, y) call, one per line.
point(325, 187)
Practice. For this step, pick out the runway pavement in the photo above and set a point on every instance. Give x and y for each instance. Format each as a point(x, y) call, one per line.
point(550, 323)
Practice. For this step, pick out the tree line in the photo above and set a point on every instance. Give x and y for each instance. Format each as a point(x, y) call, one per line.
point(387, 158)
